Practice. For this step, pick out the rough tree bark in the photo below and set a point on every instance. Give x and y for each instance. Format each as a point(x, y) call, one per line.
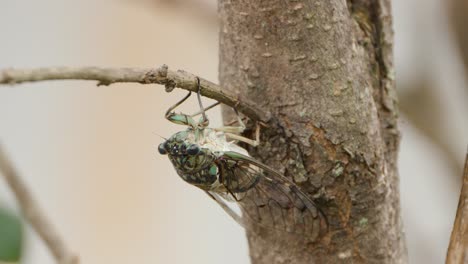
point(324, 69)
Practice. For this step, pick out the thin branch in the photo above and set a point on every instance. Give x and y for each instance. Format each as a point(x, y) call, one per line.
point(33, 214)
point(106, 76)
point(457, 14)
point(420, 104)
point(458, 249)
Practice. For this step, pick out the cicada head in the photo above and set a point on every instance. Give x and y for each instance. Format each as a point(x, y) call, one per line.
point(192, 162)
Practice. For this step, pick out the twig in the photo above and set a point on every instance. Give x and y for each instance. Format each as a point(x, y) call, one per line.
point(458, 249)
point(420, 104)
point(33, 214)
point(106, 76)
point(457, 14)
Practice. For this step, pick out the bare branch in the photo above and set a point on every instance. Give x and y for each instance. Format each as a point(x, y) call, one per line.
point(33, 214)
point(107, 76)
point(458, 249)
point(420, 104)
point(457, 14)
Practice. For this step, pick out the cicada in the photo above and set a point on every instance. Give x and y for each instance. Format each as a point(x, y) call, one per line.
point(211, 159)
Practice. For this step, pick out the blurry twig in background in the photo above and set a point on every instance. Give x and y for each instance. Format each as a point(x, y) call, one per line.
point(458, 249)
point(162, 75)
point(459, 17)
point(33, 215)
point(422, 107)
point(204, 10)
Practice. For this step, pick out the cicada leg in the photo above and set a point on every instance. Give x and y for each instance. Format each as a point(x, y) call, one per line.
point(235, 131)
point(249, 141)
point(184, 119)
point(206, 109)
point(181, 119)
point(204, 122)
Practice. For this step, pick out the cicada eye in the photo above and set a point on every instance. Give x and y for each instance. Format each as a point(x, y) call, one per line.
point(193, 149)
point(162, 148)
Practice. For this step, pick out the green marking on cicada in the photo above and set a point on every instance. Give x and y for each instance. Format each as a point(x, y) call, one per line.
point(214, 170)
point(181, 119)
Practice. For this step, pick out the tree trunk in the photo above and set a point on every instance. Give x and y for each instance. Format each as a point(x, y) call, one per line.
point(324, 70)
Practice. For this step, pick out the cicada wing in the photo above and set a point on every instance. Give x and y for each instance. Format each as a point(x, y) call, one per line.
point(221, 202)
point(269, 198)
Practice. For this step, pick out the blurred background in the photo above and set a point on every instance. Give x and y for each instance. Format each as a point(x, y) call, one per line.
point(89, 153)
